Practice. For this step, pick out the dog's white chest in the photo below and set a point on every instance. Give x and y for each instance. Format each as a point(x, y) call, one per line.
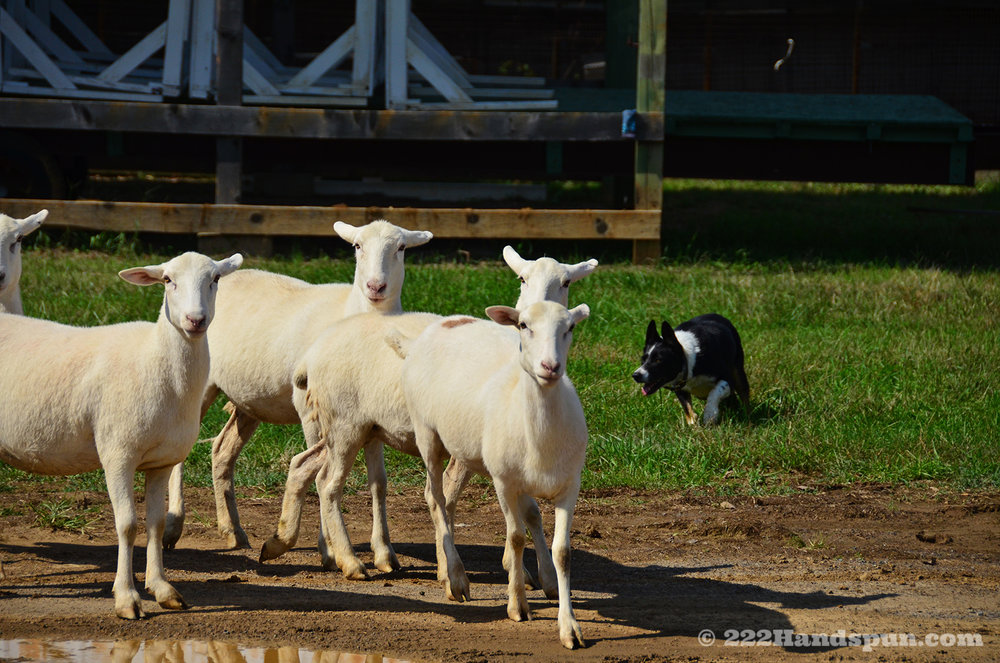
point(700, 386)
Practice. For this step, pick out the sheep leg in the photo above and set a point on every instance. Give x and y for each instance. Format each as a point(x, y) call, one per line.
point(450, 570)
point(156, 580)
point(719, 392)
point(513, 553)
point(456, 477)
point(569, 630)
point(339, 460)
point(385, 556)
point(302, 472)
point(225, 449)
point(174, 526)
point(546, 570)
point(175, 512)
point(121, 491)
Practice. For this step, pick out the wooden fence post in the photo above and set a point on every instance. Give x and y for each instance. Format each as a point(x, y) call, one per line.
point(650, 93)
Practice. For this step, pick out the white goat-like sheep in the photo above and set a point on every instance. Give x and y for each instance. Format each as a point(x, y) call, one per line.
point(347, 395)
point(505, 408)
point(264, 323)
point(12, 231)
point(124, 397)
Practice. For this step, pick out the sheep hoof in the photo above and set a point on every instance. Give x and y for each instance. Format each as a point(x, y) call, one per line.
point(572, 637)
point(519, 612)
point(463, 590)
point(172, 530)
point(174, 603)
point(354, 570)
point(129, 609)
point(272, 548)
point(237, 539)
point(387, 563)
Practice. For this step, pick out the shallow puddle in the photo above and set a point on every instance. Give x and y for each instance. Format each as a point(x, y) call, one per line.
point(169, 651)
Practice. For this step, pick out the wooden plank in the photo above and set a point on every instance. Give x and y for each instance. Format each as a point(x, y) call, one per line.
point(202, 47)
point(397, 14)
point(313, 221)
point(650, 92)
point(366, 30)
point(434, 75)
point(26, 46)
point(136, 55)
point(331, 56)
point(327, 123)
point(79, 29)
point(50, 40)
point(178, 22)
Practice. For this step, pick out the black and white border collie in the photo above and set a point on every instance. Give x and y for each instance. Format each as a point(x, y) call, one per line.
point(702, 357)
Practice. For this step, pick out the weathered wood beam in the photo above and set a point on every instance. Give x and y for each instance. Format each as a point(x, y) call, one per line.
point(282, 220)
point(321, 123)
point(650, 92)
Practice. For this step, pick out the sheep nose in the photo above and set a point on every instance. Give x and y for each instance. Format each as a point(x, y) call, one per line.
point(376, 287)
point(197, 321)
point(551, 367)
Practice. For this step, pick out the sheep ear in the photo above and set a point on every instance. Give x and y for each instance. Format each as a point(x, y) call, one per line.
point(229, 265)
point(581, 269)
point(346, 231)
point(651, 334)
point(579, 313)
point(143, 275)
point(31, 223)
point(504, 315)
point(513, 259)
point(417, 237)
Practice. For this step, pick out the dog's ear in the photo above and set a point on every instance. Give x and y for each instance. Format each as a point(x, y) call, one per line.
point(668, 330)
point(651, 335)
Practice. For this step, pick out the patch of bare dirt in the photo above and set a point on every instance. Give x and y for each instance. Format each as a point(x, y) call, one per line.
point(652, 574)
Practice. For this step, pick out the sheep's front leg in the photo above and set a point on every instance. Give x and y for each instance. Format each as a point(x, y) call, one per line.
point(513, 557)
point(342, 448)
point(718, 393)
point(156, 580)
point(569, 629)
point(174, 526)
point(385, 556)
point(122, 494)
point(225, 450)
point(456, 476)
point(302, 471)
point(450, 570)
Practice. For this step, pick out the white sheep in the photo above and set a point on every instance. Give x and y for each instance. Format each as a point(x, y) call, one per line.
point(123, 397)
point(505, 408)
point(348, 396)
point(12, 231)
point(346, 366)
point(264, 323)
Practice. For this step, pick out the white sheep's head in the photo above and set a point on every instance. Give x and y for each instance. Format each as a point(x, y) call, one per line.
point(546, 330)
point(12, 231)
point(379, 248)
point(191, 281)
point(545, 279)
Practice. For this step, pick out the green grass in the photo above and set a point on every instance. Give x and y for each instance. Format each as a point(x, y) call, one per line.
point(870, 333)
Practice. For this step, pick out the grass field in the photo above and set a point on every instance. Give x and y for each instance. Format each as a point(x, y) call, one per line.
point(868, 314)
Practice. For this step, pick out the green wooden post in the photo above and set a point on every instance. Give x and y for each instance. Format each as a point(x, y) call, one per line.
point(650, 92)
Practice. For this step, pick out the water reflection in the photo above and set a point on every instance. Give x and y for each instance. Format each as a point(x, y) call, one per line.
point(169, 651)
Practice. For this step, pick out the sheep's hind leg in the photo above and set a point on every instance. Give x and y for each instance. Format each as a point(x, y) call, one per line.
point(343, 445)
point(174, 526)
point(225, 450)
point(156, 580)
point(546, 570)
point(302, 471)
point(450, 570)
point(385, 556)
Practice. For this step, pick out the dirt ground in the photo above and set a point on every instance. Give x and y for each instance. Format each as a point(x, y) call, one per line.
point(653, 573)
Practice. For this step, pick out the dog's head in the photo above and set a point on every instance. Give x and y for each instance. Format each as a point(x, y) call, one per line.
point(663, 361)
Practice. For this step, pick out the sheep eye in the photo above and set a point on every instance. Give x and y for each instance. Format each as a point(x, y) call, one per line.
point(402, 248)
point(522, 326)
point(216, 279)
point(521, 279)
point(166, 280)
point(357, 247)
point(565, 284)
